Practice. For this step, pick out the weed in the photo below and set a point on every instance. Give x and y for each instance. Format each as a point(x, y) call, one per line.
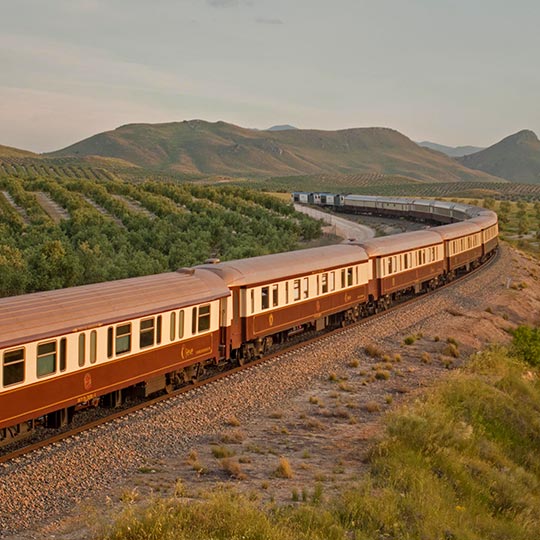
point(306, 454)
point(373, 351)
point(409, 340)
point(220, 452)
point(316, 498)
point(353, 363)
point(276, 414)
point(345, 387)
point(284, 469)
point(332, 376)
point(295, 495)
point(382, 374)
point(265, 485)
point(235, 436)
point(388, 399)
point(244, 459)
point(452, 341)
point(232, 468)
point(397, 357)
point(314, 400)
point(232, 421)
point(372, 406)
point(426, 357)
point(451, 350)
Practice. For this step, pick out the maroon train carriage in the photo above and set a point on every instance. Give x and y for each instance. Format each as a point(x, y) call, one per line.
point(408, 262)
point(488, 223)
point(462, 246)
point(274, 296)
point(61, 349)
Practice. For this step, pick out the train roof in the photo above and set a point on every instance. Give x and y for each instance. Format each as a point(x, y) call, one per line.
point(484, 219)
point(30, 317)
point(268, 268)
point(397, 243)
point(457, 230)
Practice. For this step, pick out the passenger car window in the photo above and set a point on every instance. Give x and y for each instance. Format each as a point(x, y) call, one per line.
point(13, 370)
point(265, 299)
point(204, 318)
point(82, 349)
point(123, 338)
point(275, 295)
point(146, 338)
point(46, 358)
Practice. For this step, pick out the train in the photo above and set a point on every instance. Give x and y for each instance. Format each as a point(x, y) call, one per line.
point(68, 349)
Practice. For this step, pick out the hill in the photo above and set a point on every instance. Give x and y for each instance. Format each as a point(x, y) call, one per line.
point(199, 147)
point(8, 151)
point(452, 151)
point(281, 127)
point(516, 158)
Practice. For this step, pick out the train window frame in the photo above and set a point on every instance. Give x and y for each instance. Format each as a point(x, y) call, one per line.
point(172, 326)
point(204, 318)
point(63, 354)
point(82, 349)
point(159, 328)
point(350, 277)
point(297, 295)
point(11, 364)
point(93, 346)
point(252, 300)
point(287, 292)
point(147, 332)
point(122, 341)
point(194, 321)
point(45, 356)
point(324, 283)
point(343, 278)
point(265, 297)
point(332, 281)
point(181, 324)
point(110, 341)
point(305, 288)
point(275, 295)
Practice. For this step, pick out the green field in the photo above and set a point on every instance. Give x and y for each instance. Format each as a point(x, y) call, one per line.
point(63, 231)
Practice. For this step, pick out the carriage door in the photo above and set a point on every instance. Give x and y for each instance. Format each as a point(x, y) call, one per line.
point(236, 326)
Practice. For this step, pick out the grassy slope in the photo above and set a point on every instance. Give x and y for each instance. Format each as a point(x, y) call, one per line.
point(8, 151)
point(461, 461)
point(219, 148)
point(516, 158)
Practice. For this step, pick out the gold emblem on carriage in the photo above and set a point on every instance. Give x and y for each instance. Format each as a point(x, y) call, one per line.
point(271, 319)
point(348, 297)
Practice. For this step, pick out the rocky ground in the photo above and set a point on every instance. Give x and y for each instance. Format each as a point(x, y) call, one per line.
point(320, 409)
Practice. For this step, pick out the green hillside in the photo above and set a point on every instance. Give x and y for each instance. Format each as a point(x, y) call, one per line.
point(8, 151)
point(198, 147)
point(516, 158)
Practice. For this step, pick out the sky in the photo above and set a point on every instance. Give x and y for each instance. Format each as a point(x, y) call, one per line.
point(453, 72)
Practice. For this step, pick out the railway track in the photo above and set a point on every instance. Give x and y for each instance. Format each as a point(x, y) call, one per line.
point(296, 347)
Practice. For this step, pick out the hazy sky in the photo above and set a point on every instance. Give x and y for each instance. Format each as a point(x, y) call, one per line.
point(454, 72)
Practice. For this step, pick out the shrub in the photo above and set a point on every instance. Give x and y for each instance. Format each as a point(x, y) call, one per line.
point(409, 340)
point(284, 469)
point(232, 421)
point(373, 351)
point(354, 363)
point(526, 344)
point(426, 357)
point(372, 406)
point(382, 374)
point(235, 436)
point(220, 452)
point(232, 468)
point(451, 350)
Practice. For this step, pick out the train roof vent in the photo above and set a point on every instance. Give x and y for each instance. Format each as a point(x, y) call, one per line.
point(212, 261)
point(188, 271)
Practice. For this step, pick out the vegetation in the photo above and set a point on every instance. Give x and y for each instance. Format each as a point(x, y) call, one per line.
point(116, 229)
point(459, 462)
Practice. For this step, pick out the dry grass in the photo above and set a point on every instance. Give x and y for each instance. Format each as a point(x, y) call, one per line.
point(235, 436)
point(233, 469)
point(372, 406)
point(232, 421)
point(374, 351)
point(284, 469)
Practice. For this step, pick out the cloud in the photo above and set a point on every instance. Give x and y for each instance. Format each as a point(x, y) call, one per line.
point(266, 20)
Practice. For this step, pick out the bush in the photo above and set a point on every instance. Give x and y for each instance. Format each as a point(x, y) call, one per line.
point(284, 469)
point(526, 344)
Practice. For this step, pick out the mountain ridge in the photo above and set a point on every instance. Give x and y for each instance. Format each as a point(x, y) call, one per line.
point(452, 151)
point(197, 146)
point(516, 157)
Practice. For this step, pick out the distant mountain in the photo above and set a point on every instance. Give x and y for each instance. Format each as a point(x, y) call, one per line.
point(452, 151)
point(199, 147)
point(516, 158)
point(282, 127)
point(8, 151)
